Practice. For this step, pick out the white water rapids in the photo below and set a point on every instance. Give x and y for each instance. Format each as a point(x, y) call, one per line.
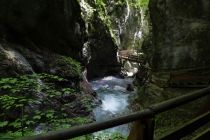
point(115, 101)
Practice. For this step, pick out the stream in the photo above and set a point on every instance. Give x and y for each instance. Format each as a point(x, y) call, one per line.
point(114, 101)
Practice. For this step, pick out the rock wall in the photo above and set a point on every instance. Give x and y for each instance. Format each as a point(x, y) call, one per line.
point(35, 34)
point(103, 50)
point(112, 25)
point(51, 24)
point(100, 48)
point(42, 32)
point(180, 38)
point(180, 58)
point(127, 21)
point(181, 34)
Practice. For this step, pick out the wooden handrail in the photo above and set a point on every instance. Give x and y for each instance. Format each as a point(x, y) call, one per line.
point(146, 113)
point(90, 128)
point(188, 127)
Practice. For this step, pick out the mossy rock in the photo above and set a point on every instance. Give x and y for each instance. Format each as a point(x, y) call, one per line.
point(65, 67)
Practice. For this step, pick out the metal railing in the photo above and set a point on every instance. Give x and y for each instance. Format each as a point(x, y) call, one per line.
point(146, 116)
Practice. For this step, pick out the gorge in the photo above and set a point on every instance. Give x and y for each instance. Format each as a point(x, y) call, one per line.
point(60, 64)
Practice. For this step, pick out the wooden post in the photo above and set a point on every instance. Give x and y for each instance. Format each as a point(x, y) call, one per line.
point(22, 126)
point(149, 128)
point(137, 131)
point(142, 130)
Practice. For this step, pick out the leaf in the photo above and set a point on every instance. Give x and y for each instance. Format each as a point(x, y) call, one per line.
point(6, 87)
point(3, 124)
point(37, 112)
point(30, 122)
point(37, 117)
point(50, 115)
point(19, 105)
point(16, 124)
point(7, 107)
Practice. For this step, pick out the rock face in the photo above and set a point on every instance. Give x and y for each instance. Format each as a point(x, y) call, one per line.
point(100, 44)
point(180, 35)
point(40, 33)
point(48, 24)
point(111, 26)
point(12, 62)
point(103, 50)
point(180, 55)
point(180, 46)
point(128, 22)
point(36, 35)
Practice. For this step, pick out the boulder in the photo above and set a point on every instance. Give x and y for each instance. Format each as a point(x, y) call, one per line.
point(130, 87)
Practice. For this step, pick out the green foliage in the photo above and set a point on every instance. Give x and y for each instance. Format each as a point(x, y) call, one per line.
point(3, 124)
point(86, 103)
point(140, 3)
point(51, 78)
point(68, 122)
point(10, 135)
point(68, 91)
point(103, 135)
point(19, 93)
point(103, 8)
point(144, 3)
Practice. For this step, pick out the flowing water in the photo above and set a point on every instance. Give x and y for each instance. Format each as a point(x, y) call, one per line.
point(115, 101)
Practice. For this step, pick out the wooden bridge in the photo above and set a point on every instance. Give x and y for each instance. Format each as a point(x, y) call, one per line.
point(131, 55)
point(145, 118)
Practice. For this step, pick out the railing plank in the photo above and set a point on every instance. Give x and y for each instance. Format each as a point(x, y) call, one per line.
point(178, 101)
point(90, 128)
point(203, 136)
point(188, 127)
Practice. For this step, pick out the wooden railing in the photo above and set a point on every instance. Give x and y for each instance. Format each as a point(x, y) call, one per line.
point(131, 55)
point(145, 116)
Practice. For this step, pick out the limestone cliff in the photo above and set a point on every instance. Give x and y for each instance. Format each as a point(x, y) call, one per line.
point(39, 31)
point(181, 39)
point(100, 47)
point(179, 49)
point(179, 58)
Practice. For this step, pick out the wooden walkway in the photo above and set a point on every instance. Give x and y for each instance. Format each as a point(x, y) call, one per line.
point(131, 55)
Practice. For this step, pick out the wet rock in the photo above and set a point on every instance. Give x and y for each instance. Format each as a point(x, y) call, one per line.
point(123, 73)
point(130, 87)
point(12, 62)
point(85, 85)
point(94, 94)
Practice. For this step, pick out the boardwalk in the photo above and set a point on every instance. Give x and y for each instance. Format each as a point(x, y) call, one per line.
point(131, 55)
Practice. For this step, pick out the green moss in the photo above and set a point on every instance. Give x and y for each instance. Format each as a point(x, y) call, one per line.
point(66, 67)
point(140, 3)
